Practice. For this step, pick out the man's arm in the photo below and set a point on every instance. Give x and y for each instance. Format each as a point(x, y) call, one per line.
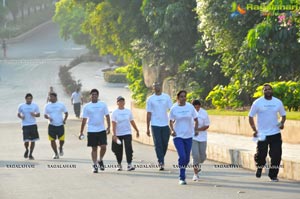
point(83, 122)
point(252, 124)
point(108, 123)
point(148, 119)
point(66, 117)
point(283, 118)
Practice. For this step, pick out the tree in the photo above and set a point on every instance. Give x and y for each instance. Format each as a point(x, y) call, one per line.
point(70, 16)
point(173, 31)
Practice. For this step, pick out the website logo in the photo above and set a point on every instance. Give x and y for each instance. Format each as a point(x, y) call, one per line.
point(237, 10)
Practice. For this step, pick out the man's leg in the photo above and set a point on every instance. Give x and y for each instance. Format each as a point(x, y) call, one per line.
point(275, 155)
point(54, 146)
point(260, 156)
point(102, 142)
point(165, 140)
point(94, 158)
point(26, 144)
point(77, 109)
point(32, 145)
point(157, 139)
point(61, 139)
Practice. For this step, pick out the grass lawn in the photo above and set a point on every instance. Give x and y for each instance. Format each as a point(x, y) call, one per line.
point(290, 115)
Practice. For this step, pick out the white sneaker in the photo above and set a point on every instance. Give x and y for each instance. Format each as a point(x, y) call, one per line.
point(182, 182)
point(119, 168)
point(61, 152)
point(130, 168)
point(195, 177)
point(55, 156)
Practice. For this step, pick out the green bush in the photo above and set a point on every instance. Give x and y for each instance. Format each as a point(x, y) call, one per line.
point(136, 84)
point(67, 81)
point(226, 97)
point(287, 91)
point(122, 69)
point(113, 77)
point(89, 57)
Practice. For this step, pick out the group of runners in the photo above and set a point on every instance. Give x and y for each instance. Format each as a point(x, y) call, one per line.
point(185, 122)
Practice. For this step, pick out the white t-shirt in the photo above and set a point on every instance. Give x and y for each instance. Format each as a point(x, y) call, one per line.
point(26, 109)
point(76, 97)
point(55, 112)
point(159, 105)
point(267, 115)
point(95, 113)
point(203, 120)
point(122, 117)
point(184, 120)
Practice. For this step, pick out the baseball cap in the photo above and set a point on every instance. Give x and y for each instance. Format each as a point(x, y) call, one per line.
point(120, 98)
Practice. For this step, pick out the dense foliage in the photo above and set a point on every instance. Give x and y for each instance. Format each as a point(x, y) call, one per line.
point(218, 50)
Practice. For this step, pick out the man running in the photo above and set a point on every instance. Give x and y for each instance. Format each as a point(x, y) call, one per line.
point(27, 112)
point(157, 108)
point(93, 114)
point(54, 111)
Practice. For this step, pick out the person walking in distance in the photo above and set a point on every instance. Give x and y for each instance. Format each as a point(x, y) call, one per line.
point(4, 48)
point(157, 107)
point(121, 120)
point(267, 131)
point(51, 90)
point(54, 113)
point(199, 141)
point(27, 112)
point(77, 101)
point(183, 123)
point(93, 114)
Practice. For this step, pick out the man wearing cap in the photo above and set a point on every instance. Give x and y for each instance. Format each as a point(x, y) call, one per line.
point(93, 114)
point(157, 106)
point(121, 120)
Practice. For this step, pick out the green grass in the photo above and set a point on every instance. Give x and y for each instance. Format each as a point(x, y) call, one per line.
point(290, 115)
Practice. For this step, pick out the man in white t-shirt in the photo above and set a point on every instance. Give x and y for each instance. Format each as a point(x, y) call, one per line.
point(27, 112)
point(54, 111)
point(267, 131)
point(199, 141)
point(77, 101)
point(93, 114)
point(157, 107)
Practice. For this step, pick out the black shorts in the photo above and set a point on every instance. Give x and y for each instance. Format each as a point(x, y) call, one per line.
point(97, 139)
point(30, 133)
point(56, 132)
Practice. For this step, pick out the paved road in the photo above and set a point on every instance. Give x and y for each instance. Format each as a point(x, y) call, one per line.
point(44, 180)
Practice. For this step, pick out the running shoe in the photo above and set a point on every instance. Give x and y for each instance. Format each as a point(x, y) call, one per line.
point(274, 179)
point(61, 152)
point(195, 177)
point(182, 182)
point(26, 154)
point(119, 168)
point(130, 167)
point(55, 156)
point(161, 167)
point(95, 168)
point(258, 172)
point(101, 165)
point(31, 157)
